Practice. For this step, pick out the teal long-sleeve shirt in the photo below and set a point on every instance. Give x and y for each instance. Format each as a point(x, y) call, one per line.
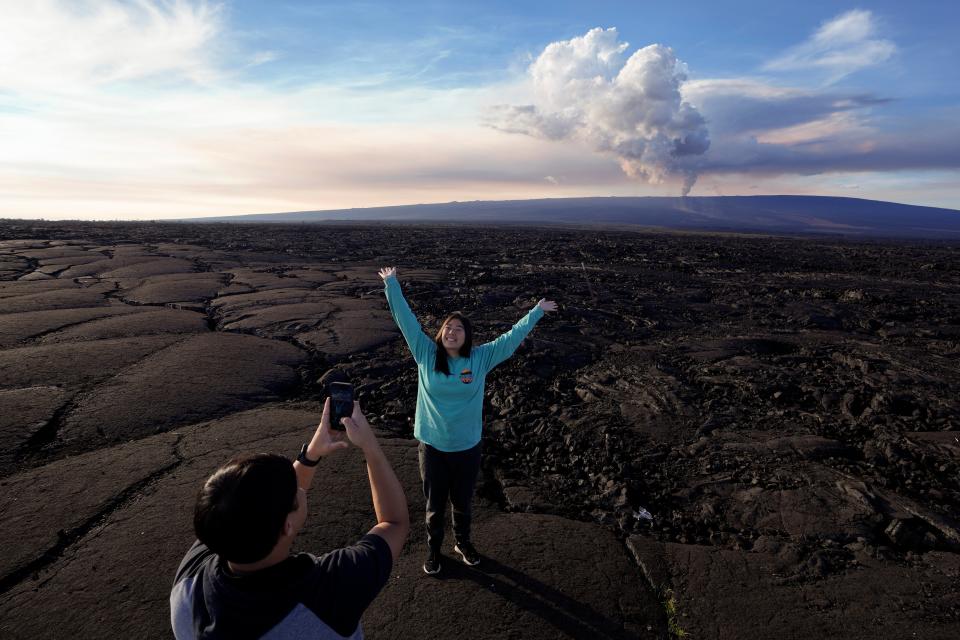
point(450, 407)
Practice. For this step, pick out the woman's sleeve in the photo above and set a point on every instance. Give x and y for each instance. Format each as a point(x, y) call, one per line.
point(493, 353)
point(420, 345)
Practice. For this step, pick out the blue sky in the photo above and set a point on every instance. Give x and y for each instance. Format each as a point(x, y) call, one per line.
point(172, 108)
point(715, 38)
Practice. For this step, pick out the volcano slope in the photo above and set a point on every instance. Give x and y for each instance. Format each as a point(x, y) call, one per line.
point(783, 410)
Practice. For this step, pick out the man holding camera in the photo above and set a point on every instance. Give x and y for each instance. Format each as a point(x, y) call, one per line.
point(239, 579)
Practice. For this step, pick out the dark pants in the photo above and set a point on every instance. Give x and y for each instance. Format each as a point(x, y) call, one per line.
point(448, 475)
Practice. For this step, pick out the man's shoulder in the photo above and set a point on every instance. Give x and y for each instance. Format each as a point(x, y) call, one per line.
point(345, 581)
point(185, 583)
point(197, 557)
point(370, 552)
point(305, 594)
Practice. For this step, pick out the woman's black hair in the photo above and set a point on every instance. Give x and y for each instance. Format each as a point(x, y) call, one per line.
point(441, 362)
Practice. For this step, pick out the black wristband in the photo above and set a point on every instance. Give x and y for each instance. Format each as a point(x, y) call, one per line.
point(304, 460)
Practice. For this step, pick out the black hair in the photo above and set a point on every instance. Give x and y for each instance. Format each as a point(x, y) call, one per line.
point(441, 362)
point(241, 509)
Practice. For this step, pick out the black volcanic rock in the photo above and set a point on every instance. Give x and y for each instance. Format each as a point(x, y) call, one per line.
point(76, 363)
point(17, 327)
point(204, 375)
point(187, 287)
point(143, 321)
point(766, 425)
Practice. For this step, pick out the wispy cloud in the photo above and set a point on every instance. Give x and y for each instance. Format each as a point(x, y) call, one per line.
point(298, 168)
point(768, 127)
point(838, 144)
point(777, 125)
point(841, 46)
point(161, 108)
point(762, 129)
point(263, 57)
point(115, 108)
point(57, 47)
point(752, 105)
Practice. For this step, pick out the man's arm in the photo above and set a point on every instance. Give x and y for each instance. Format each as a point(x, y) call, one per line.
point(389, 501)
point(323, 443)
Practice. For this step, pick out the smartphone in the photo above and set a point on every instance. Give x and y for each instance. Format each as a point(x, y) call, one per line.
point(341, 403)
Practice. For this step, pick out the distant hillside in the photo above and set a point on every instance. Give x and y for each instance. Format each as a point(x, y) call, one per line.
point(781, 214)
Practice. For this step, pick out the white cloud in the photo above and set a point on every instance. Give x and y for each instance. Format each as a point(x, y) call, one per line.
point(145, 108)
point(761, 129)
point(834, 127)
point(629, 108)
point(140, 113)
point(62, 47)
point(753, 106)
point(318, 167)
point(841, 46)
point(262, 57)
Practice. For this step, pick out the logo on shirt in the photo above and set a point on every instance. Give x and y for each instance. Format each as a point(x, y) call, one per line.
point(466, 376)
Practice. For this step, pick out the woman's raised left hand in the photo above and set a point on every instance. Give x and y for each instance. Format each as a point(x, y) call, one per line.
point(388, 272)
point(547, 305)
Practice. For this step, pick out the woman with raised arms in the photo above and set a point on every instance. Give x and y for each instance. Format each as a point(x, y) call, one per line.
point(449, 418)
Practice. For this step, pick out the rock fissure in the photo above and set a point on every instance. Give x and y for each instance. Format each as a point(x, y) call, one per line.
point(68, 538)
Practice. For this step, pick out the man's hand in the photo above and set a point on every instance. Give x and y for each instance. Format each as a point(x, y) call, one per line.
point(547, 305)
point(388, 272)
point(325, 440)
point(358, 429)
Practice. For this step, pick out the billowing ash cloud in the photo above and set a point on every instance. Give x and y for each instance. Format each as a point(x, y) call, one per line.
point(585, 90)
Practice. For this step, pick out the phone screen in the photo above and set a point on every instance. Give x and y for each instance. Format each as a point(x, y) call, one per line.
point(341, 403)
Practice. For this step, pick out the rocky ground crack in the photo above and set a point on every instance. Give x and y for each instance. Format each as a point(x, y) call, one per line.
point(68, 538)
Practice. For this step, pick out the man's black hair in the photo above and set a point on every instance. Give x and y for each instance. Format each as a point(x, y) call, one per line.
point(441, 362)
point(242, 507)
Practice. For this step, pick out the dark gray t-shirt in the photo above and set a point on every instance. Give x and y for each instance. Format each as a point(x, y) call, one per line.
point(304, 596)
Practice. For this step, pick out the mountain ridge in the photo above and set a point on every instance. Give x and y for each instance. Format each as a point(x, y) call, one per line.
point(762, 213)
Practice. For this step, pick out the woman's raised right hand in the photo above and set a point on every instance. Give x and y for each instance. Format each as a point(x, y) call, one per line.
point(388, 272)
